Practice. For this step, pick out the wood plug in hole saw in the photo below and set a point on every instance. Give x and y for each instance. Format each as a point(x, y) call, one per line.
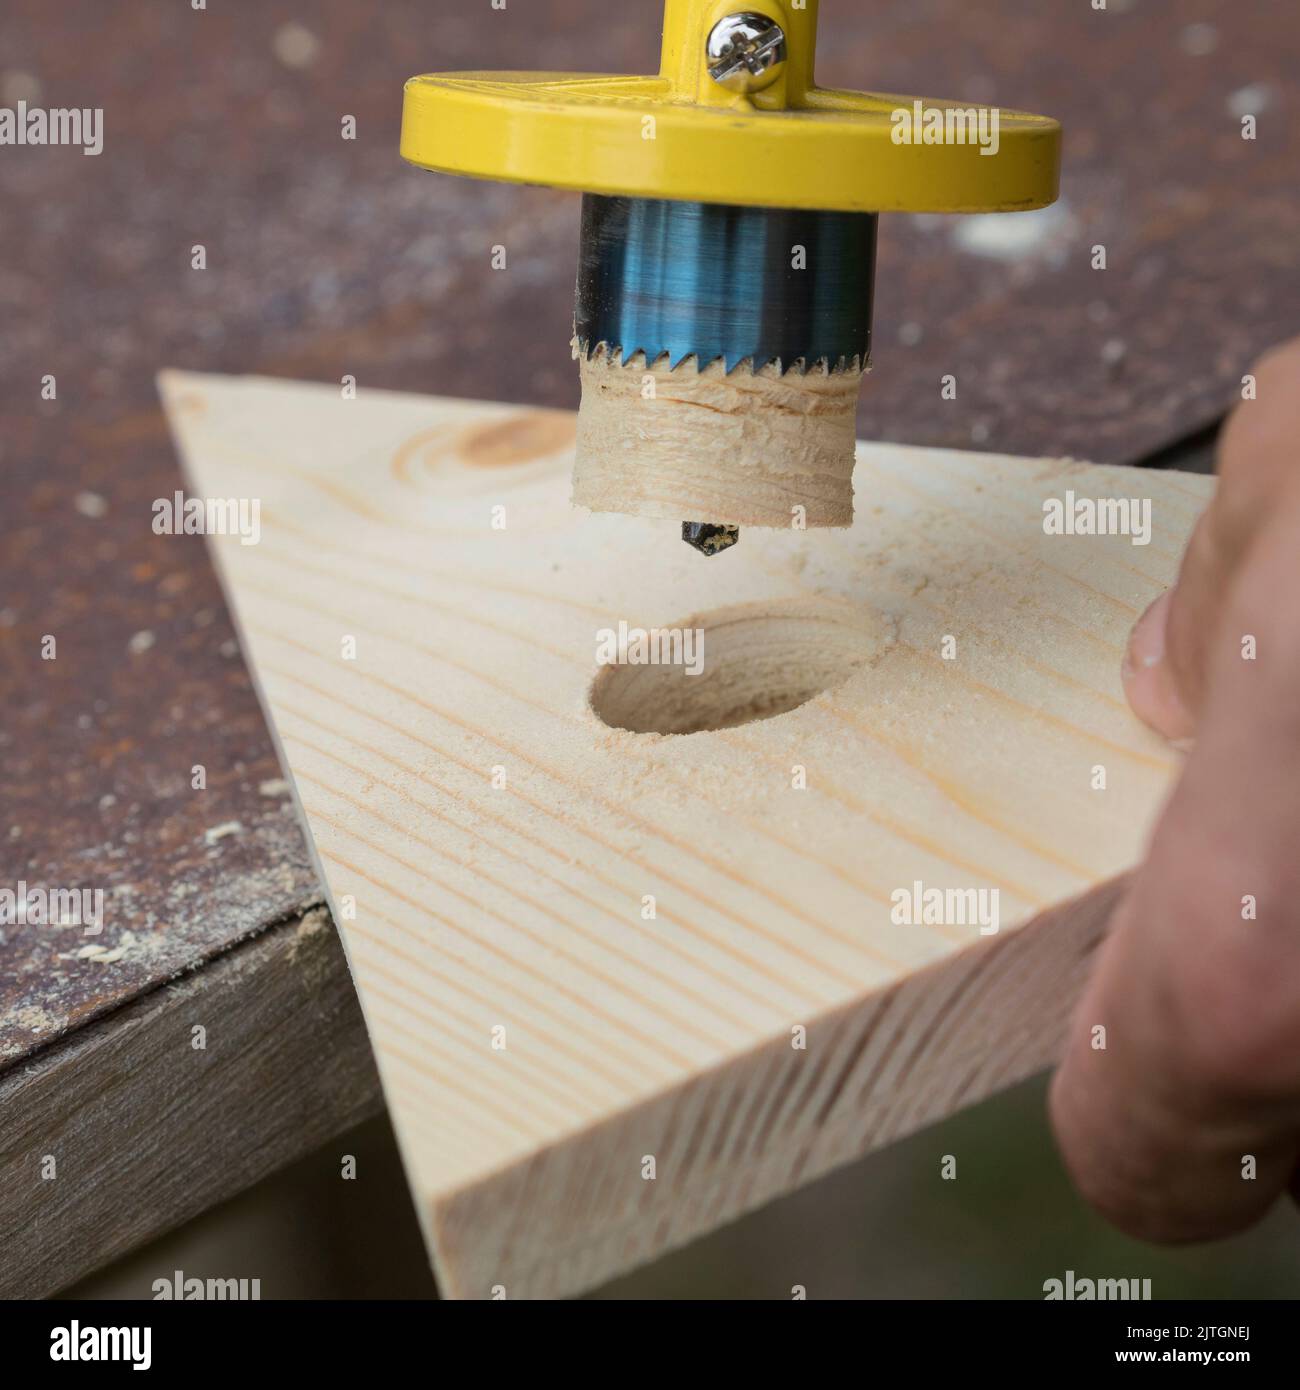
point(727, 254)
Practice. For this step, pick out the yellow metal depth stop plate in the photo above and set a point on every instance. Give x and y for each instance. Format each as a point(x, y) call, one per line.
point(680, 135)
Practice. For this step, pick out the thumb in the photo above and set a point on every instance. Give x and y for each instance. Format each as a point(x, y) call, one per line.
point(1164, 668)
point(1151, 679)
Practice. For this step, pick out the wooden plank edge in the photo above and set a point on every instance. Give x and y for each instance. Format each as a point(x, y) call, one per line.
point(976, 1023)
point(148, 1130)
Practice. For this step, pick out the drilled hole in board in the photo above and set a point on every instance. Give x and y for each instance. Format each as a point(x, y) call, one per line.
point(752, 662)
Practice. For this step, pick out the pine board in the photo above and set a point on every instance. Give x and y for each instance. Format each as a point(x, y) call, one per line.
point(468, 908)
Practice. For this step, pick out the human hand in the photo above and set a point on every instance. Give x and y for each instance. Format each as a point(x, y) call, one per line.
point(1198, 982)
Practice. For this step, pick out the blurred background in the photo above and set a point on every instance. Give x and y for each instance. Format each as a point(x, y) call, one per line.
point(328, 256)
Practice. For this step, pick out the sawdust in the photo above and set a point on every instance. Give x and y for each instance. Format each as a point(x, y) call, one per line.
point(219, 832)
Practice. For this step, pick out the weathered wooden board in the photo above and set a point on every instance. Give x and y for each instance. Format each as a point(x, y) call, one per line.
point(125, 1129)
point(490, 844)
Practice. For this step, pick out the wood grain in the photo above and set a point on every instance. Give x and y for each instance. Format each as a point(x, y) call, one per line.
point(489, 843)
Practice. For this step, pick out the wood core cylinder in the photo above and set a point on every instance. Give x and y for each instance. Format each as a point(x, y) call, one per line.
point(745, 448)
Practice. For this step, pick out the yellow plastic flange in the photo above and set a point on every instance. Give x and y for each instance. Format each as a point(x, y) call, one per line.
point(681, 135)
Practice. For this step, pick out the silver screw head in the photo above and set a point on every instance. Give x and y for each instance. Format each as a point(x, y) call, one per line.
point(746, 52)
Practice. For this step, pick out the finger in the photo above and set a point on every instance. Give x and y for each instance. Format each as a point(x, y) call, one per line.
point(1165, 664)
point(1150, 681)
point(1159, 1145)
point(1184, 1123)
point(1164, 669)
